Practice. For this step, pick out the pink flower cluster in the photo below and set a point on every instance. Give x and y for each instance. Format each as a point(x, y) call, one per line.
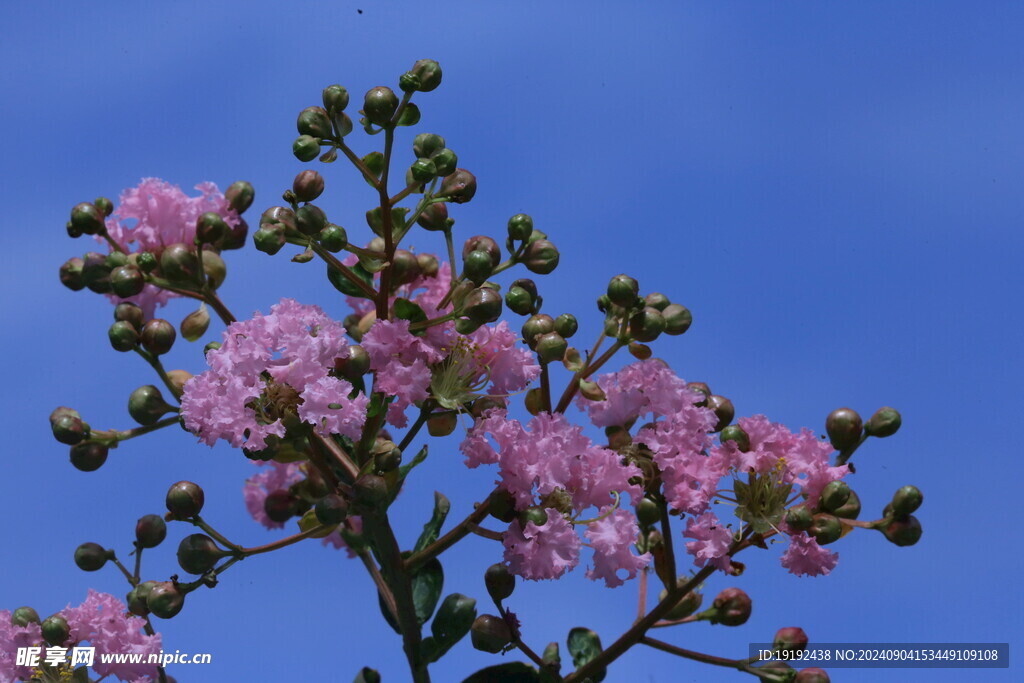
point(239, 398)
point(102, 620)
point(155, 215)
point(548, 459)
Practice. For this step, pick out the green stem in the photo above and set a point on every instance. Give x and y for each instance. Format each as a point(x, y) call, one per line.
point(421, 420)
point(738, 664)
point(590, 369)
point(844, 456)
point(154, 362)
point(345, 271)
point(460, 531)
point(214, 534)
point(357, 162)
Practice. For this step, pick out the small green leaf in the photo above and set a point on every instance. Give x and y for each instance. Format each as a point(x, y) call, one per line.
point(367, 675)
point(304, 257)
point(427, 583)
point(585, 645)
point(375, 162)
point(410, 115)
point(374, 220)
point(432, 529)
point(344, 285)
point(368, 127)
point(512, 672)
point(330, 155)
point(454, 619)
point(387, 613)
point(430, 650)
point(407, 310)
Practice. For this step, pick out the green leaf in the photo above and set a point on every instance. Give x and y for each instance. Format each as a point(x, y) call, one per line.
point(430, 650)
point(454, 618)
point(585, 645)
point(432, 529)
point(330, 155)
point(427, 583)
point(396, 477)
point(367, 675)
point(342, 283)
point(376, 223)
point(410, 115)
point(387, 614)
point(552, 663)
point(512, 672)
point(375, 162)
point(370, 130)
point(407, 310)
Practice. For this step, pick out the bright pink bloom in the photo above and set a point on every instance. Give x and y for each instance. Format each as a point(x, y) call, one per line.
point(325, 403)
point(612, 538)
point(11, 638)
point(647, 386)
point(804, 557)
point(402, 362)
point(509, 367)
point(542, 552)
point(103, 621)
point(711, 541)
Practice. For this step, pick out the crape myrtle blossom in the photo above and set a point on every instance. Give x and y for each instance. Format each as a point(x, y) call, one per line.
point(101, 621)
point(551, 462)
point(155, 215)
point(270, 369)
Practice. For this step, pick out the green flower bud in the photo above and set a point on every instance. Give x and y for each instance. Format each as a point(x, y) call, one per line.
point(499, 581)
point(502, 506)
point(115, 259)
point(87, 219)
point(179, 263)
point(844, 428)
point(62, 411)
point(800, 517)
point(185, 499)
point(409, 82)
point(466, 326)
point(96, 272)
point(279, 215)
point(737, 435)
point(825, 528)
point(197, 553)
point(127, 281)
point(428, 264)
point(105, 206)
point(519, 300)
point(812, 675)
point(639, 351)
point(731, 607)
point(677, 318)
point(647, 324)
point(23, 616)
point(426, 145)
point(55, 630)
point(687, 605)
point(834, 495)
point(165, 600)
point(724, 411)
point(314, 122)
point(69, 429)
point(129, 313)
point(459, 187)
point(540, 257)
point(423, 170)
point(535, 514)
point(158, 336)
point(477, 267)
point(90, 557)
point(551, 347)
point(136, 598)
point(379, 105)
point(335, 98)
point(146, 261)
point(73, 232)
point(435, 217)
point(240, 196)
point(269, 239)
point(906, 500)
point(404, 268)
point(485, 244)
point(355, 365)
point(195, 324)
point(483, 305)
point(331, 509)
point(490, 634)
point(702, 388)
point(429, 73)
point(566, 325)
point(333, 238)
point(657, 300)
point(150, 531)
point(370, 491)
point(647, 512)
point(280, 506)
point(210, 228)
point(445, 161)
point(903, 531)
point(308, 185)
point(442, 424)
point(212, 346)
point(88, 456)
point(306, 148)
point(535, 326)
point(885, 422)
point(71, 274)
point(123, 336)
point(520, 227)
point(146, 405)
point(310, 219)
point(850, 509)
point(623, 291)
point(387, 460)
point(790, 639)
point(533, 401)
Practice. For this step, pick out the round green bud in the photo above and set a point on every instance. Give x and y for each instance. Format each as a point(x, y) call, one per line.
point(834, 496)
point(490, 634)
point(87, 219)
point(409, 82)
point(185, 499)
point(423, 170)
point(724, 411)
point(677, 318)
point(165, 600)
point(150, 531)
point(308, 185)
point(158, 336)
point(520, 227)
point(639, 351)
point(96, 272)
point(540, 257)
point(476, 267)
point(379, 105)
point(404, 268)
point(533, 401)
point(536, 515)
point(426, 145)
point(623, 291)
point(466, 326)
point(885, 422)
point(240, 195)
point(428, 73)
point(280, 506)
point(647, 325)
point(499, 581)
point(71, 274)
point(269, 239)
point(800, 517)
point(69, 429)
point(566, 325)
point(333, 238)
point(123, 336)
point(55, 630)
point(210, 228)
point(459, 186)
point(23, 616)
point(146, 262)
point(73, 232)
point(687, 605)
point(445, 161)
point(335, 98)
point(90, 557)
point(88, 456)
point(657, 300)
point(850, 509)
point(551, 347)
point(314, 122)
point(535, 326)
point(310, 219)
point(306, 148)
point(701, 388)
point(790, 639)
point(370, 490)
point(280, 216)
point(116, 259)
point(136, 598)
point(906, 500)
point(483, 244)
point(647, 512)
point(435, 218)
point(195, 324)
point(737, 435)
point(519, 300)
point(387, 460)
point(428, 264)
point(355, 365)
point(105, 206)
point(825, 528)
point(483, 305)
point(502, 506)
point(127, 281)
point(442, 424)
point(331, 509)
point(844, 428)
point(129, 313)
point(731, 607)
point(903, 531)
point(179, 263)
point(212, 346)
point(197, 553)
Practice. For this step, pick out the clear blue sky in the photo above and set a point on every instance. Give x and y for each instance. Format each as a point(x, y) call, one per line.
point(834, 189)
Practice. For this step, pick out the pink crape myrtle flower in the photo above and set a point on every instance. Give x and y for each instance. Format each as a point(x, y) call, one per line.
point(641, 388)
point(155, 215)
point(711, 541)
point(804, 557)
point(401, 361)
point(11, 638)
point(295, 346)
point(612, 536)
point(103, 621)
point(542, 552)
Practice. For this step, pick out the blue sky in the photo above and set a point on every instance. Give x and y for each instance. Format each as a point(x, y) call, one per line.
point(832, 188)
